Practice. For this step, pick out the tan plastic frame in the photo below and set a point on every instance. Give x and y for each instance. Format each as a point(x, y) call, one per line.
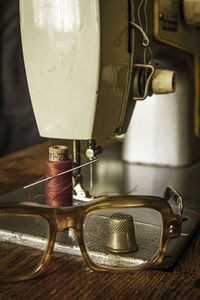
point(60, 218)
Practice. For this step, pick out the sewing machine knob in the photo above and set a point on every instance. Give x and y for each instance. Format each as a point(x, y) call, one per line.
point(163, 82)
point(191, 10)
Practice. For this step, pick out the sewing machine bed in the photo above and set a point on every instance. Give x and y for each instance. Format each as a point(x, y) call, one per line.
point(112, 176)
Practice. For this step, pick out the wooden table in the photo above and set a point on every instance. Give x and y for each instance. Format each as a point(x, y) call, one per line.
point(69, 278)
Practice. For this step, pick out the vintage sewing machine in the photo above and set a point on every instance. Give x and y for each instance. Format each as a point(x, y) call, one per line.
point(93, 98)
point(92, 66)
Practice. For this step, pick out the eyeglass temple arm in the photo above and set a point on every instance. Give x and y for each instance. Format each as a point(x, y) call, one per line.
point(171, 193)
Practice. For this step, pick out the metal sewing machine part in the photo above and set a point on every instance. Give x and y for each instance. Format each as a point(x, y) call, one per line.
point(164, 130)
point(191, 10)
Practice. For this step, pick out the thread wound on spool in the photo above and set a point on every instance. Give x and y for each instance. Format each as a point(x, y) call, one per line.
point(58, 190)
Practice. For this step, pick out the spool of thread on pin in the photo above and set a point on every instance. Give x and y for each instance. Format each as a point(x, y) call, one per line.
point(59, 189)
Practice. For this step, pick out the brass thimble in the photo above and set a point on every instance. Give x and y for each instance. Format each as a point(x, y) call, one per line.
point(121, 234)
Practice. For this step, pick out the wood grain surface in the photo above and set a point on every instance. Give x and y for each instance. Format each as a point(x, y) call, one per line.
point(68, 277)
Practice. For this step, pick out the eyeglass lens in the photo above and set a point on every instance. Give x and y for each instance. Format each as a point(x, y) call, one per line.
point(123, 238)
point(23, 242)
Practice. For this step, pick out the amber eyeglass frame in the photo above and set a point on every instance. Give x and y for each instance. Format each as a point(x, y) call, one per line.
point(60, 218)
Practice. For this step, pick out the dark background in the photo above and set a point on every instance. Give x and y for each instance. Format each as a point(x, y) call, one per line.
point(18, 128)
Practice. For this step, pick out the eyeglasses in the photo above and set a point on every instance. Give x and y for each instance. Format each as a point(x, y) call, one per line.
point(117, 233)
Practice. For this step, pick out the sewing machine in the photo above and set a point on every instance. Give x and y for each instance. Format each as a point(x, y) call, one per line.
point(88, 62)
point(124, 64)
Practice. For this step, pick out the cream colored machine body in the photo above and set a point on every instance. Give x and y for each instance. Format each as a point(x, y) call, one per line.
point(78, 64)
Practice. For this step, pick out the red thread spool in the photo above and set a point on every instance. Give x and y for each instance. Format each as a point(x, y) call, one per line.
point(59, 189)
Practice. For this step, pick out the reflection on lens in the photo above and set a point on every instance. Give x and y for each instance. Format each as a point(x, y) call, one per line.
point(23, 242)
point(123, 238)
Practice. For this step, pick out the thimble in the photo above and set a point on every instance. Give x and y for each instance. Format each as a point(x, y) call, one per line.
point(121, 234)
